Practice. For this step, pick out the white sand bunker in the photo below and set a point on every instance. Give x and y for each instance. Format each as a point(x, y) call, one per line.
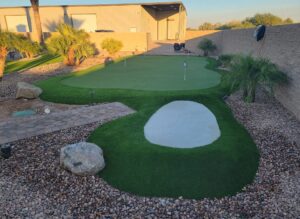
point(182, 124)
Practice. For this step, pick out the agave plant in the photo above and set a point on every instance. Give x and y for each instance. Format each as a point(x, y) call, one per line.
point(73, 45)
point(11, 41)
point(248, 72)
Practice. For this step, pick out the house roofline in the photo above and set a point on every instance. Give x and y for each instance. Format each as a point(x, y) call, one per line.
point(91, 5)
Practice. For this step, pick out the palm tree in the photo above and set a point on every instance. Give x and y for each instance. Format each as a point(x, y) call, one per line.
point(73, 45)
point(37, 20)
point(11, 41)
point(248, 72)
point(206, 45)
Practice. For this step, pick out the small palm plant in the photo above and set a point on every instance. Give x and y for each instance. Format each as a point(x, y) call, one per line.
point(248, 72)
point(11, 41)
point(26, 47)
point(206, 45)
point(73, 45)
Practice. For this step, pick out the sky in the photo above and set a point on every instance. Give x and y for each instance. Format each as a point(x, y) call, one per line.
point(200, 11)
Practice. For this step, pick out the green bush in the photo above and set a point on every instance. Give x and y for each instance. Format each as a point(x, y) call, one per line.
point(225, 60)
point(112, 46)
point(248, 72)
point(73, 45)
point(11, 42)
point(206, 45)
point(26, 47)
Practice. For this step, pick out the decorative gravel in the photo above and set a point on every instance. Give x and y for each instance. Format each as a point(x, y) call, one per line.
point(41, 72)
point(33, 185)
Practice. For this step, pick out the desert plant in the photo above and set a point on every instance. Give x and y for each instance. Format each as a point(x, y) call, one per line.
point(26, 47)
point(112, 46)
point(73, 45)
point(225, 60)
point(8, 42)
point(206, 45)
point(248, 72)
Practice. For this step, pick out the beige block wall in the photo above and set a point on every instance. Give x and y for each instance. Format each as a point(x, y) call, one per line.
point(281, 46)
point(195, 34)
point(131, 41)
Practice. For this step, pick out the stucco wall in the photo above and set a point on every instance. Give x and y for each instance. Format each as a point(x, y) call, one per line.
point(281, 45)
point(163, 25)
point(182, 23)
point(116, 18)
point(149, 22)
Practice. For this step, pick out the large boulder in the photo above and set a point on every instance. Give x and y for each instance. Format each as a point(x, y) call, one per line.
point(82, 158)
point(28, 91)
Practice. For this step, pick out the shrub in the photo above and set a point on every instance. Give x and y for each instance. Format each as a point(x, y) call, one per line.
point(73, 45)
point(11, 41)
point(225, 60)
point(112, 46)
point(206, 45)
point(248, 72)
point(26, 47)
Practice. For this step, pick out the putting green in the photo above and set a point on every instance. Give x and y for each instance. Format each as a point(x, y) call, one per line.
point(135, 165)
point(161, 73)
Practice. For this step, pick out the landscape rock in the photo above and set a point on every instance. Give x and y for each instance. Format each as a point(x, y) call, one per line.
point(28, 91)
point(82, 158)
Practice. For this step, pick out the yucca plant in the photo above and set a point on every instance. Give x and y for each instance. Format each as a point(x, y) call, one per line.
point(73, 45)
point(206, 45)
point(11, 41)
point(248, 72)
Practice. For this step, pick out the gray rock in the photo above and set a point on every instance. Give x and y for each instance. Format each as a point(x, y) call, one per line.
point(28, 91)
point(82, 158)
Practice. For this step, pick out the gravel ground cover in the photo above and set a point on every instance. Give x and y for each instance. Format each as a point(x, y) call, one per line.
point(9, 83)
point(33, 185)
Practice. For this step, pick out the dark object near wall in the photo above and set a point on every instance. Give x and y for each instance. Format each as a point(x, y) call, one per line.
point(5, 151)
point(177, 47)
point(260, 32)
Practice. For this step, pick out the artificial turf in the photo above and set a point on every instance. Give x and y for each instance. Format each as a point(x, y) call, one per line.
point(157, 73)
point(137, 166)
point(20, 65)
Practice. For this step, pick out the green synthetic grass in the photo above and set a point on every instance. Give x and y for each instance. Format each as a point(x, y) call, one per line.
point(157, 73)
point(137, 166)
point(19, 65)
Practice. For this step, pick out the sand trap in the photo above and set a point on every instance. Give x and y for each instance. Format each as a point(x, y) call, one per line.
point(182, 124)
